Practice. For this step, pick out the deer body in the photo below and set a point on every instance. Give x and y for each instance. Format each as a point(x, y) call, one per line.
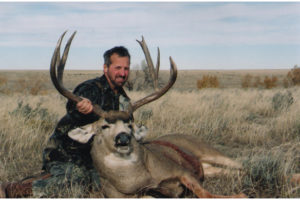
point(130, 168)
point(205, 154)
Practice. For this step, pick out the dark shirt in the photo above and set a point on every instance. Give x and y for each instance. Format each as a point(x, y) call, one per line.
point(62, 148)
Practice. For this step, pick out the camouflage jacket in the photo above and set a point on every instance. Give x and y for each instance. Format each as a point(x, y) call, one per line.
point(62, 148)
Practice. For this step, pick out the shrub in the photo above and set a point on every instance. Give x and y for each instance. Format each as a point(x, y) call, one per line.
point(3, 85)
point(36, 117)
point(3, 80)
point(294, 75)
point(264, 175)
point(208, 82)
point(257, 82)
point(282, 101)
point(30, 86)
point(285, 82)
point(270, 82)
point(246, 81)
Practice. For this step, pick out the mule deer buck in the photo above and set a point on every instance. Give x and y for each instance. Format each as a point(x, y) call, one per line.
point(129, 168)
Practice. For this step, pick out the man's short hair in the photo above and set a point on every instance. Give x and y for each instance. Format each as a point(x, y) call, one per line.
point(119, 50)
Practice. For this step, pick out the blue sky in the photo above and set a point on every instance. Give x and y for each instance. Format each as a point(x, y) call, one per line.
point(198, 35)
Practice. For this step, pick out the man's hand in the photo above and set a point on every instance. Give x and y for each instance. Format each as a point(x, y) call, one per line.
point(85, 106)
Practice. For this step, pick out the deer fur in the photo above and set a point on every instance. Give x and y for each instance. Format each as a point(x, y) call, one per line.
point(130, 169)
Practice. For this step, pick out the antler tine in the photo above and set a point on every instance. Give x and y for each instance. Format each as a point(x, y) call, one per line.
point(157, 94)
point(157, 64)
point(61, 67)
point(154, 74)
point(57, 66)
point(56, 58)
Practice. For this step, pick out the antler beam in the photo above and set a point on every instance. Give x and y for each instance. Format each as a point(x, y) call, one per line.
point(58, 64)
point(56, 73)
point(161, 92)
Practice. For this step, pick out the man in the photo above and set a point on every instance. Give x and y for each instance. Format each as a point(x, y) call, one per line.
point(68, 162)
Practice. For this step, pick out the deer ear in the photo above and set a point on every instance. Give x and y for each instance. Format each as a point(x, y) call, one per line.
point(82, 134)
point(140, 132)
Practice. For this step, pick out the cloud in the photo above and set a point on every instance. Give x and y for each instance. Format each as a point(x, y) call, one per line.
point(179, 23)
point(178, 28)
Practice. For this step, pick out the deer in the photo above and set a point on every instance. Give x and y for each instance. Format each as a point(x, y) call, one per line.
point(129, 166)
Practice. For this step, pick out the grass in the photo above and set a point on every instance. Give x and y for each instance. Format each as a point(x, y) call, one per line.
point(258, 127)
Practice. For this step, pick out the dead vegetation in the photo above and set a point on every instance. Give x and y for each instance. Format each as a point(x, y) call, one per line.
point(258, 127)
point(208, 81)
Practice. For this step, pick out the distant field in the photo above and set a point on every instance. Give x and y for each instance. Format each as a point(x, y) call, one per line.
point(186, 81)
point(258, 127)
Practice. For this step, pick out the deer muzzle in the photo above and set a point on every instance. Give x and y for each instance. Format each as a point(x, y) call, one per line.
point(122, 139)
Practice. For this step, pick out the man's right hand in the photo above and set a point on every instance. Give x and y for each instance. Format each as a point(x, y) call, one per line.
point(85, 106)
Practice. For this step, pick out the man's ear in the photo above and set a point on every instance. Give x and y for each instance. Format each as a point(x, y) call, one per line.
point(82, 134)
point(105, 68)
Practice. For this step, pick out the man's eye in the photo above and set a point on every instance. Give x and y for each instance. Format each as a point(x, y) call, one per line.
point(104, 127)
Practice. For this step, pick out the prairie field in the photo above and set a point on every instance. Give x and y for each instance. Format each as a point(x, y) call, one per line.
point(258, 127)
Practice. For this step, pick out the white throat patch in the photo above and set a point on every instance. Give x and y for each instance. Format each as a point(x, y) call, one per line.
point(114, 161)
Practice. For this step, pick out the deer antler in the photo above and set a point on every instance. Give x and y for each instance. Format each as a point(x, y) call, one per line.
point(162, 91)
point(56, 73)
point(58, 64)
point(153, 72)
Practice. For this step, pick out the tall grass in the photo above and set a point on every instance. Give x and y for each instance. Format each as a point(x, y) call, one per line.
point(244, 124)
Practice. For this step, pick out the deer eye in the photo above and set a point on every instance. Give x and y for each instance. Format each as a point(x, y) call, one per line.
point(130, 126)
point(104, 127)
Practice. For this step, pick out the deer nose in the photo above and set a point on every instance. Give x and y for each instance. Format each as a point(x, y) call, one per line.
point(122, 139)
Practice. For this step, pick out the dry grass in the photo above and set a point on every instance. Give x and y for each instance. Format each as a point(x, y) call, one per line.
point(258, 127)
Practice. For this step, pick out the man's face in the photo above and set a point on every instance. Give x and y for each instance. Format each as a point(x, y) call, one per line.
point(118, 71)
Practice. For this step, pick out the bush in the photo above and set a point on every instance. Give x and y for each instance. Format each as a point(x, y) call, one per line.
point(3, 80)
point(35, 117)
point(33, 87)
point(282, 101)
point(270, 82)
point(246, 81)
point(294, 75)
point(208, 82)
point(3, 85)
point(285, 82)
point(264, 175)
point(257, 82)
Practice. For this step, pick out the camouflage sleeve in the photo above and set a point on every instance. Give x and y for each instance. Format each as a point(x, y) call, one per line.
point(89, 91)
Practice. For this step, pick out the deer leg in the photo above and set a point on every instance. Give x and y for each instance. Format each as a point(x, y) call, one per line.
point(211, 171)
point(192, 184)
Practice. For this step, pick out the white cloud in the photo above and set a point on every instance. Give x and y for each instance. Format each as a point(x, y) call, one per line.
point(172, 26)
point(170, 23)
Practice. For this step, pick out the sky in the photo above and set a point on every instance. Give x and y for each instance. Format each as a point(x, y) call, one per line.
point(198, 35)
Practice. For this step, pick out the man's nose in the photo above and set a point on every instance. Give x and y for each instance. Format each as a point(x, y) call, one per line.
point(122, 72)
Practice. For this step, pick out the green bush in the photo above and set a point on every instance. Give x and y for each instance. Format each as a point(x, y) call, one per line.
point(282, 101)
point(36, 117)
